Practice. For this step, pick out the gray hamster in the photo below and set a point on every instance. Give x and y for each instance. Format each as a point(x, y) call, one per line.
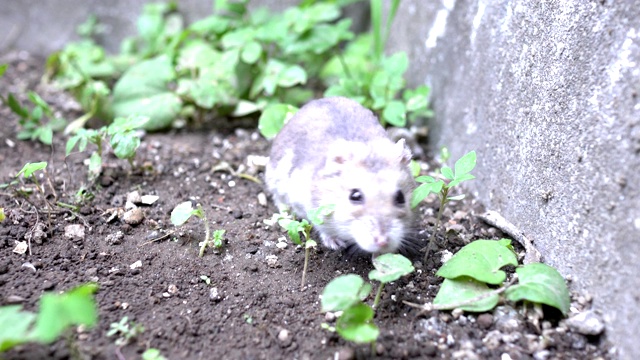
point(334, 151)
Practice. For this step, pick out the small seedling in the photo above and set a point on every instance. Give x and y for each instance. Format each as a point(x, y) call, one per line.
point(120, 135)
point(28, 171)
point(206, 279)
point(388, 268)
point(347, 292)
point(183, 212)
point(57, 313)
point(152, 354)
point(452, 178)
point(477, 265)
point(32, 122)
point(125, 330)
point(294, 229)
point(2, 215)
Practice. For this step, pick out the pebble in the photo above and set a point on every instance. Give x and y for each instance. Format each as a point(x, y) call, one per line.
point(345, 353)
point(283, 335)
point(74, 232)
point(485, 321)
point(134, 216)
point(586, 323)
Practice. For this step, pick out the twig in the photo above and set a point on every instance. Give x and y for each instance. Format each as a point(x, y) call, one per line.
point(493, 218)
point(431, 307)
point(158, 238)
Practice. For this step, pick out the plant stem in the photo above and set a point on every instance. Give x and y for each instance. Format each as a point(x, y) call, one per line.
point(378, 295)
point(443, 201)
point(306, 263)
point(207, 231)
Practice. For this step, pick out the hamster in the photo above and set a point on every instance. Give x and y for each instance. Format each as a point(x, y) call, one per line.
point(334, 151)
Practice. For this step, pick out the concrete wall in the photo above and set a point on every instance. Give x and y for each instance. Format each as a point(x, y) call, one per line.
point(545, 91)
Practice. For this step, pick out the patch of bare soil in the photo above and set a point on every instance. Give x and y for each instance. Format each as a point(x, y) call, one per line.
point(253, 307)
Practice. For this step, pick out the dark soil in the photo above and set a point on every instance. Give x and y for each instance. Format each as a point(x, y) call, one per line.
point(253, 307)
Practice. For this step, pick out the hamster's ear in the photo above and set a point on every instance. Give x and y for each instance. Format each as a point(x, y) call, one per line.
point(405, 153)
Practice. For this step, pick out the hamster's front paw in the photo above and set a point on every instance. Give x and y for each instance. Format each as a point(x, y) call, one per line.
point(331, 242)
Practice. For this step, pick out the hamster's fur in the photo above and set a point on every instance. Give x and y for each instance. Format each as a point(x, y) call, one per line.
point(334, 151)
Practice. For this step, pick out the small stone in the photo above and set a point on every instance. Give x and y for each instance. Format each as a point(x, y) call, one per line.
point(456, 313)
point(586, 323)
point(330, 316)
point(133, 216)
point(14, 299)
point(272, 261)
point(262, 199)
point(485, 321)
point(136, 265)
point(134, 197)
point(237, 214)
point(149, 199)
point(283, 335)
point(21, 247)
point(115, 238)
point(74, 232)
point(380, 350)
point(345, 354)
point(213, 294)
point(172, 289)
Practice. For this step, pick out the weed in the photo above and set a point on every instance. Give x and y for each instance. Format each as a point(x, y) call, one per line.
point(470, 272)
point(28, 171)
point(231, 63)
point(294, 229)
point(388, 268)
point(32, 122)
point(181, 214)
point(57, 312)
point(346, 294)
point(125, 330)
point(120, 135)
point(442, 187)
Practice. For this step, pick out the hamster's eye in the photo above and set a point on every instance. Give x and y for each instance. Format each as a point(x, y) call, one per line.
point(398, 198)
point(356, 196)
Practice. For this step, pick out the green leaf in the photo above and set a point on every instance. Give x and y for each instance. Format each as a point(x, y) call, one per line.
point(15, 106)
point(356, 324)
point(18, 332)
point(415, 168)
point(542, 284)
point(465, 164)
point(181, 213)
point(95, 164)
point(142, 90)
point(395, 113)
point(343, 292)
point(447, 172)
point(3, 68)
point(456, 291)
point(2, 215)
point(390, 267)
point(417, 99)
point(422, 191)
point(460, 179)
point(130, 123)
point(317, 215)
point(58, 311)
point(29, 168)
point(45, 134)
point(251, 52)
point(481, 260)
point(273, 119)
point(125, 145)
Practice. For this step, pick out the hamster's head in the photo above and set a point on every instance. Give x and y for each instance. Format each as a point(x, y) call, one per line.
point(370, 186)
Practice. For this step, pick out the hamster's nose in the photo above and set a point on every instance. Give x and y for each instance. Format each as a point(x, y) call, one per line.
point(381, 241)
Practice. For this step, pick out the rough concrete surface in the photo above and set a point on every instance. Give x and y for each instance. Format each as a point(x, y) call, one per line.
point(545, 91)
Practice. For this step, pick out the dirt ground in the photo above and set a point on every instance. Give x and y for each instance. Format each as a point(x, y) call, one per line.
point(253, 307)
